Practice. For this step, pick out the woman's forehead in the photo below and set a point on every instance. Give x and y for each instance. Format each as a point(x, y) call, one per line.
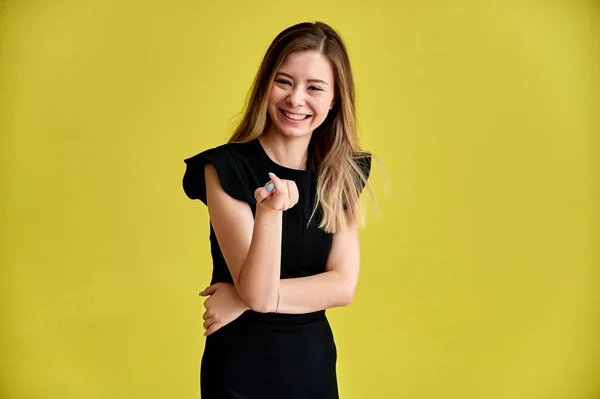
point(306, 65)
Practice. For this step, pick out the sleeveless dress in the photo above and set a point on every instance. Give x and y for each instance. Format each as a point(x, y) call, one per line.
point(267, 355)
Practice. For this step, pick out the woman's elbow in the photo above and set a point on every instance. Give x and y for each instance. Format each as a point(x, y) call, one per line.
point(348, 296)
point(254, 302)
point(260, 304)
point(259, 307)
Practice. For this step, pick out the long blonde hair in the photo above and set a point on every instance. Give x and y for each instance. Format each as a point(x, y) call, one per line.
point(334, 152)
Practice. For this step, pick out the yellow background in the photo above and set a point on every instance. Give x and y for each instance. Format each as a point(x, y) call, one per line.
point(480, 280)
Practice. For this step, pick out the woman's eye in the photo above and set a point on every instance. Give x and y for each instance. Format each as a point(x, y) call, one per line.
point(283, 81)
point(317, 88)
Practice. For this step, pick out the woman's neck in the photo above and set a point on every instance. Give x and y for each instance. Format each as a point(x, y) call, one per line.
point(290, 152)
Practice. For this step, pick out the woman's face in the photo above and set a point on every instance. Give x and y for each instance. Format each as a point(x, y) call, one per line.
point(302, 93)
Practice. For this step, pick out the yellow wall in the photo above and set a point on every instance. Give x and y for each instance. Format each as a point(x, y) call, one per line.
point(480, 281)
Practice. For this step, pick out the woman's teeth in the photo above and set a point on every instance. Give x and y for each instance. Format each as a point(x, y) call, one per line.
point(294, 116)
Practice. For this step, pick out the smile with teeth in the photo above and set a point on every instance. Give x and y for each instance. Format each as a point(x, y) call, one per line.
point(296, 117)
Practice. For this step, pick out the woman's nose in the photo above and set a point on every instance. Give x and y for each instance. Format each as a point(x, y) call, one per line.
point(296, 97)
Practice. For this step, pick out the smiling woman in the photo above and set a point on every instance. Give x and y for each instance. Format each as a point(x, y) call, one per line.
point(282, 198)
point(301, 97)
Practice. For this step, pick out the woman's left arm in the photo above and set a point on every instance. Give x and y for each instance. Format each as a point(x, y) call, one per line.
point(335, 287)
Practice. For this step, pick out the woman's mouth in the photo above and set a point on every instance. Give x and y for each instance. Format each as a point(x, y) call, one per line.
point(294, 117)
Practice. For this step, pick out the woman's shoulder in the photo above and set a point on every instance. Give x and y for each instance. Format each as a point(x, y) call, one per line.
point(234, 165)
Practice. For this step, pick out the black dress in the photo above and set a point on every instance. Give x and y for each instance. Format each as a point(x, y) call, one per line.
point(261, 356)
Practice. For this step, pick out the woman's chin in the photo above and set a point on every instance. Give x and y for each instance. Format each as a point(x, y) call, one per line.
point(293, 132)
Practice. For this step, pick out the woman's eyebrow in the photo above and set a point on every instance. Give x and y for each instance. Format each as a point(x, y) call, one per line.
point(308, 80)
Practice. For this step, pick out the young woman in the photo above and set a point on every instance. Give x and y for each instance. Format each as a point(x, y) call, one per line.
point(282, 197)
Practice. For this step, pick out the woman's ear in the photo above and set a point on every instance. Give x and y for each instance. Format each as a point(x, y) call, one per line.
point(332, 104)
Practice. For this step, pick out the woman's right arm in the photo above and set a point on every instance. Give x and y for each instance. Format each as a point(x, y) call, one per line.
point(251, 246)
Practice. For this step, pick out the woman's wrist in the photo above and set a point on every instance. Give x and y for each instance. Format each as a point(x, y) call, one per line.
point(264, 212)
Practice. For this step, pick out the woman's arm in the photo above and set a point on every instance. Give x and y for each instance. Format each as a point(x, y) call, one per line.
point(251, 245)
point(334, 287)
point(232, 221)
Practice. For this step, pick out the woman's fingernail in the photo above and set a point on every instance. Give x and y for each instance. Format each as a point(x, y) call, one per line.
point(271, 174)
point(204, 334)
point(270, 187)
point(201, 292)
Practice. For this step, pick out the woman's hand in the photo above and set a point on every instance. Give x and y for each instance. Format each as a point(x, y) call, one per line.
point(277, 195)
point(223, 306)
